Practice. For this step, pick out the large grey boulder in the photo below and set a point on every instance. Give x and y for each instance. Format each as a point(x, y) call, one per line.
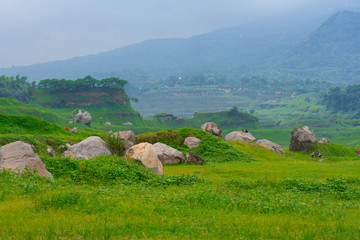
point(192, 142)
point(212, 128)
point(127, 136)
point(88, 148)
point(168, 155)
point(271, 145)
point(20, 155)
point(147, 155)
point(302, 139)
point(193, 158)
point(82, 117)
point(242, 136)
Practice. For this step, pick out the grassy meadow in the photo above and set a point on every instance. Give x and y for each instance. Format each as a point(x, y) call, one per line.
point(243, 191)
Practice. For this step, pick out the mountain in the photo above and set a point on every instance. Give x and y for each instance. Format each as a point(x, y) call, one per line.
point(242, 46)
point(276, 49)
point(330, 53)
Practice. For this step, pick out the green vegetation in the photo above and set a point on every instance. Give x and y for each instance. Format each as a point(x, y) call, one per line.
point(115, 143)
point(110, 197)
point(14, 107)
point(212, 149)
point(88, 82)
point(16, 88)
point(343, 100)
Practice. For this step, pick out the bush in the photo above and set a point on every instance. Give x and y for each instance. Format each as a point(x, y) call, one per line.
point(115, 143)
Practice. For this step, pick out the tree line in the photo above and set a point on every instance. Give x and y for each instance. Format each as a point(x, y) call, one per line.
point(18, 88)
point(88, 82)
point(342, 99)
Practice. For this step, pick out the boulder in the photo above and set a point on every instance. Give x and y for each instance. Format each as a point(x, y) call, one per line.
point(146, 153)
point(192, 142)
point(20, 155)
point(302, 139)
point(194, 158)
point(271, 145)
point(88, 148)
point(324, 140)
point(51, 152)
point(74, 130)
point(127, 136)
point(127, 124)
point(242, 136)
point(82, 117)
point(212, 128)
point(168, 155)
point(108, 123)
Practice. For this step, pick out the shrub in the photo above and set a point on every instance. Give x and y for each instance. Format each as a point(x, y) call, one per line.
point(116, 144)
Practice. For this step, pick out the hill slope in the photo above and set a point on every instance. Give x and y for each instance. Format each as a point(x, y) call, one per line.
point(14, 107)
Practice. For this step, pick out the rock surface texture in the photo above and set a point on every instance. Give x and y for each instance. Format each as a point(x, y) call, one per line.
point(212, 128)
point(192, 142)
point(168, 155)
point(271, 145)
point(20, 155)
point(146, 153)
point(82, 117)
point(127, 136)
point(242, 136)
point(302, 139)
point(194, 158)
point(88, 148)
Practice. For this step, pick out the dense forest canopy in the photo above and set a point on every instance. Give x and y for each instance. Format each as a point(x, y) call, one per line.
point(16, 88)
point(342, 99)
point(88, 82)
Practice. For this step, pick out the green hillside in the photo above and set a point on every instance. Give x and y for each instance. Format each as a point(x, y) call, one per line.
point(14, 107)
point(242, 190)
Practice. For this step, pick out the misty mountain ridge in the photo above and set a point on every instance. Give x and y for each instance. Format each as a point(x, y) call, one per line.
point(295, 49)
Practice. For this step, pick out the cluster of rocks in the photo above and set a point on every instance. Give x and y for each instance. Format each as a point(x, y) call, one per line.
point(20, 156)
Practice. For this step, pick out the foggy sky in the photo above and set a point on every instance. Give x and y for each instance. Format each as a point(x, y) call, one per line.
point(47, 30)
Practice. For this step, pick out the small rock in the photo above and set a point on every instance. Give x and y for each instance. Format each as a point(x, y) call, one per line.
point(192, 142)
point(168, 155)
point(89, 148)
point(194, 158)
point(302, 139)
point(127, 124)
point(51, 152)
point(82, 117)
point(272, 146)
point(242, 136)
point(146, 153)
point(74, 130)
point(212, 128)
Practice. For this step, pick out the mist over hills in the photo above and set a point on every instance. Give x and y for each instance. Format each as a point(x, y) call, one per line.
point(274, 49)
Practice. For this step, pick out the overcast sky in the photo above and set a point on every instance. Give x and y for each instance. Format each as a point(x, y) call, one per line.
point(35, 31)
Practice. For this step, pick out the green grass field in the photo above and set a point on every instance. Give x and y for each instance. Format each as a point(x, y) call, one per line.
point(243, 191)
